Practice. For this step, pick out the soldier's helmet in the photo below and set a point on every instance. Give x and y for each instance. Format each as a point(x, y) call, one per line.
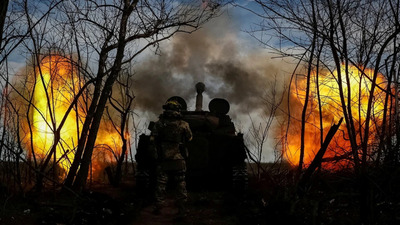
point(172, 105)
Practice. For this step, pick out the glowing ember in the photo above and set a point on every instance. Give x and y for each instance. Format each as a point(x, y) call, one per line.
point(331, 111)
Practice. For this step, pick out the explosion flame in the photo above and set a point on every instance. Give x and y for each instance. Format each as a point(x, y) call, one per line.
point(55, 86)
point(331, 111)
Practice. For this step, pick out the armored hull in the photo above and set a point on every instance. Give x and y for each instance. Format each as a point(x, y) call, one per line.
point(216, 153)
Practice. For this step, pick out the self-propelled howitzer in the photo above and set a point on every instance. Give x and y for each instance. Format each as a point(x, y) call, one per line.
point(216, 153)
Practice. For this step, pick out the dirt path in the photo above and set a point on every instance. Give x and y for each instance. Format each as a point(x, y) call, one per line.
point(203, 209)
point(167, 216)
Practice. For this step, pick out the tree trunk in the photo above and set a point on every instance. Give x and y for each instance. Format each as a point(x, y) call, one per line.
point(81, 177)
point(3, 14)
point(371, 94)
point(86, 125)
point(304, 112)
point(80, 180)
point(118, 172)
point(350, 128)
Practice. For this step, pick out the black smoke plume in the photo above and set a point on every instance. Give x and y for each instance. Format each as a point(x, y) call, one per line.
point(230, 66)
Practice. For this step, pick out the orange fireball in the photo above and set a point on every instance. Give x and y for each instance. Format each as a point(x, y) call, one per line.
point(356, 92)
point(55, 86)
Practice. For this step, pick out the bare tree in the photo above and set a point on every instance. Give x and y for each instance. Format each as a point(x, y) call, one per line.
point(98, 39)
point(121, 102)
point(360, 40)
point(353, 39)
point(3, 14)
point(260, 132)
point(136, 25)
point(17, 26)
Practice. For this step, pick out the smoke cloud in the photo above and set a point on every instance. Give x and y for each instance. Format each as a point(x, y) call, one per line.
point(230, 66)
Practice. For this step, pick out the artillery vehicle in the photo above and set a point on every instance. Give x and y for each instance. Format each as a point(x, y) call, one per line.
point(216, 153)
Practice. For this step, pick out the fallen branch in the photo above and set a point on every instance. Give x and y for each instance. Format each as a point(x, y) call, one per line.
point(317, 159)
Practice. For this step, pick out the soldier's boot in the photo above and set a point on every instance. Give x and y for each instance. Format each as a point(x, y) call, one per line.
point(156, 211)
point(182, 212)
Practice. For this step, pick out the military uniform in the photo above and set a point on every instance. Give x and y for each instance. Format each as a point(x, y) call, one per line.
point(169, 135)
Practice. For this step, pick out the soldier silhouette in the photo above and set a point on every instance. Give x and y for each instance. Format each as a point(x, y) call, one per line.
point(169, 136)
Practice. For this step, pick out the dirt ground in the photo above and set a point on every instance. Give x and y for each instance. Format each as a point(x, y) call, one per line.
point(105, 205)
point(331, 199)
point(203, 209)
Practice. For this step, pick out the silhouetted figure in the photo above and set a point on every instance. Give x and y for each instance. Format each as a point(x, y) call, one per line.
point(169, 135)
